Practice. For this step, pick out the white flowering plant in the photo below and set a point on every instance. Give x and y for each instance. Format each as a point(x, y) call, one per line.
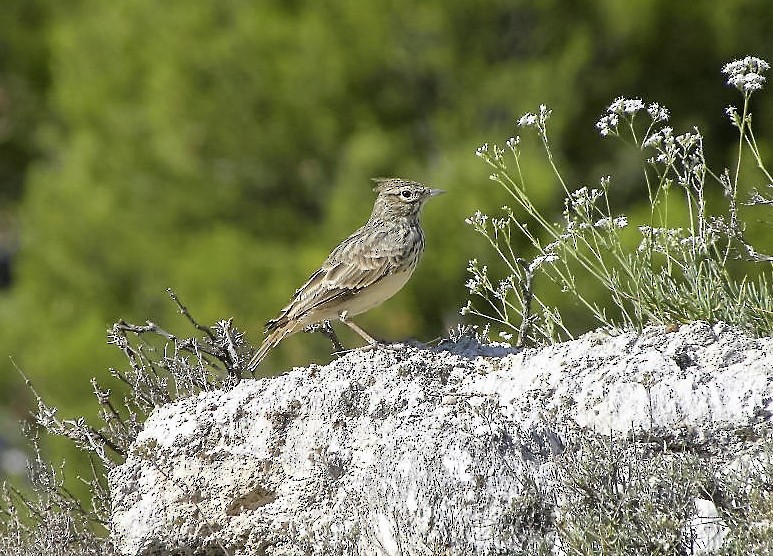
point(666, 269)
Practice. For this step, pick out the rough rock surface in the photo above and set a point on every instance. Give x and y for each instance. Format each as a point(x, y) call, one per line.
point(413, 450)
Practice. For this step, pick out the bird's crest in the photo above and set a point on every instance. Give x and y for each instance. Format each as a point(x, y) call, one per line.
point(383, 184)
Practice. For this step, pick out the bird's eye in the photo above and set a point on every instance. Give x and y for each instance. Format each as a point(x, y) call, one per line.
point(405, 194)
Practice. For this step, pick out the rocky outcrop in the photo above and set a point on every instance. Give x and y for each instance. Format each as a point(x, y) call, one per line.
point(415, 450)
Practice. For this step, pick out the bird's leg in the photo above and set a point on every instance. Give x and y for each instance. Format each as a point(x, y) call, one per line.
point(327, 330)
point(343, 316)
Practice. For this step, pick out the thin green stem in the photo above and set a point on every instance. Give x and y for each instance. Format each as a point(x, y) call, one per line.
point(752, 142)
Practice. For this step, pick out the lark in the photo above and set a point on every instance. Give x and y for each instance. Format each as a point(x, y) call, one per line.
point(366, 269)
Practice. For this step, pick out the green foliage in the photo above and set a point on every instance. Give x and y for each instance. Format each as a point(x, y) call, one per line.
point(23, 84)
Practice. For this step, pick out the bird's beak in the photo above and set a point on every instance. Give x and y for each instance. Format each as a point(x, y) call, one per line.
point(434, 192)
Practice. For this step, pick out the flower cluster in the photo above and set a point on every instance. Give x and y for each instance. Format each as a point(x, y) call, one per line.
point(661, 240)
point(582, 200)
point(626, 109)
point(478, 221)
point(479, 280)
point(623, 105)
point(746, 74)
point(674, 240)
point(538, 121)
point(607, 124)
point(609, 223)
point(547, 258)
point(658, 112)
point(681, 153)
point(493, 154)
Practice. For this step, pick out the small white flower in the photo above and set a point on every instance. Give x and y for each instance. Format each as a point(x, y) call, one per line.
point(736, 81)
point(687, 140)
point(602, 126)
point(747, 64)
point(580, 193)
point(632, 106)
point(544, 114)
point(527, 120)
point(513, 142)
point(607, 125)
point(477, 220)
point(482, 150)
point(657, 112)
point(542, 259)
point(753, 82)
point(608, 222)
point(498, 153)
point(506, 336)
point(617, 106)
point(653, 140)
point(502, 289)
point(499, 223)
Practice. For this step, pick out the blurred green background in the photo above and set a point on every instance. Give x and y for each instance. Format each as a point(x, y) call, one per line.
point(223, 147)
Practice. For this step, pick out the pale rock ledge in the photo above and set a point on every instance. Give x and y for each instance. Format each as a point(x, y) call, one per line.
point(407, 450)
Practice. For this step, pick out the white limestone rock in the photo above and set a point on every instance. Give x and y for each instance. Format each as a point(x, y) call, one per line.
point(408, 450)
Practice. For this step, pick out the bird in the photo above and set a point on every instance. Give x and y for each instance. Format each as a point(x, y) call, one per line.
point(363, 271)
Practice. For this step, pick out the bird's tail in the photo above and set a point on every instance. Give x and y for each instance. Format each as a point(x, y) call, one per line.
point(274, 337)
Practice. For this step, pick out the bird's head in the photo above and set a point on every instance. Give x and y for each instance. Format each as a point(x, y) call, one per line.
point(399, 197)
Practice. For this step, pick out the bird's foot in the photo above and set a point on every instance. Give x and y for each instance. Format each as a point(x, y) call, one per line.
point(373, 346)
point(370, 346)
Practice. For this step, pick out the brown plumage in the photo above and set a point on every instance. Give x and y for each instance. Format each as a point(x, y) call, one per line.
point(366, 269)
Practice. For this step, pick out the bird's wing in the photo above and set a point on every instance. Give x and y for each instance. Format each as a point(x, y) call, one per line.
point(359, 261)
